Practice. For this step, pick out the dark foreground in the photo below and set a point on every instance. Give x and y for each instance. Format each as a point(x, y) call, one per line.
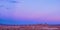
point(30, 27)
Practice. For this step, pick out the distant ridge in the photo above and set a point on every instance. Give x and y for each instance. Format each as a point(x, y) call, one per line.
point(28, 25)
point(21, 24)
point(55, 25)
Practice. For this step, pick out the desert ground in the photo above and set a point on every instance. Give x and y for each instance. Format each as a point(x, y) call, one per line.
point(30, 27)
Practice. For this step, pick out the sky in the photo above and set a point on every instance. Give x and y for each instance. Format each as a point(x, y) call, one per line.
point(29, 11)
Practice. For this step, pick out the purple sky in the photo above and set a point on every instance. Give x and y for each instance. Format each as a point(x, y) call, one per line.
point(29, 11)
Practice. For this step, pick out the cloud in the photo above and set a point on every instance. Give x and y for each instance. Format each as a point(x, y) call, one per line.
point(13, 1)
